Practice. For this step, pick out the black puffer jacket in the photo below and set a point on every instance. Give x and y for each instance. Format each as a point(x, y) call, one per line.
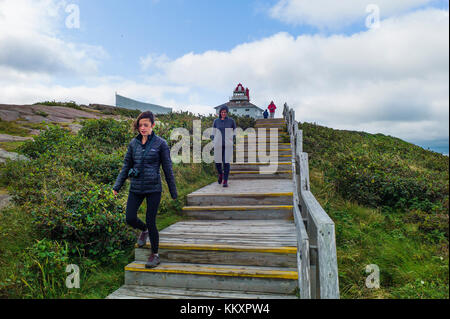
point(149, 180)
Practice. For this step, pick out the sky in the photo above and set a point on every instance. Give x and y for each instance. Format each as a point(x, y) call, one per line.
point(379, 66)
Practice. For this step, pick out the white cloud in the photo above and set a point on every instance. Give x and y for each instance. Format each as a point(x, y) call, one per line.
point(392, 80)
point(335, 14)
point(30, 42)
point(153, 60)
point(396, 74)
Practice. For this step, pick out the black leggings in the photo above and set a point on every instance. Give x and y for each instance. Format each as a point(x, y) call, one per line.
point(153, 200)
point(226, 166)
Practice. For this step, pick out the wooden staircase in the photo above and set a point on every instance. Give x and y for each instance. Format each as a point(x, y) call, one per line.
point(240, 243)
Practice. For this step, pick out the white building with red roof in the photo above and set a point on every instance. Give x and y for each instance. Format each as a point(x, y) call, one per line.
point(239, 104)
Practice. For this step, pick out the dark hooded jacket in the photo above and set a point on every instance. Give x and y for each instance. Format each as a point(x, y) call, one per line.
point(149, 180)
point(221, 125)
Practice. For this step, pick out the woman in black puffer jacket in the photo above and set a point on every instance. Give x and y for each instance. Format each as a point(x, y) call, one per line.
point(146, 153)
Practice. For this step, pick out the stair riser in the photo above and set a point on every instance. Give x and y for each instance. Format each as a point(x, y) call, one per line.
point(254, 152)
point(252, 167)
point(268, 121)
point(221, 257)
point(281, 150)
point(241, 215)
point(257, 160)
point(238, 200)
point(195, 281)
point(260, 176)
point(267, 139)
point(280, 127)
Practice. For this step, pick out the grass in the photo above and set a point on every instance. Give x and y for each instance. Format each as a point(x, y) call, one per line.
point(96, 281)
point(410, 267)
point(12, 128)
point(11, 146)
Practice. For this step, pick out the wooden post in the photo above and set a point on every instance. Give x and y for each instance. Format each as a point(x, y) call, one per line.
point(303, 263)
point(304, 172)
point(327, 279)
point(299, 141)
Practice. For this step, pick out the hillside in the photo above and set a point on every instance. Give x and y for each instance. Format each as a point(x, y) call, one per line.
point(389, 201)
point(63, 210)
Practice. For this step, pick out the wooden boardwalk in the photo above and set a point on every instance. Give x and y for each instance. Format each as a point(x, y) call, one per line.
point(239, 243)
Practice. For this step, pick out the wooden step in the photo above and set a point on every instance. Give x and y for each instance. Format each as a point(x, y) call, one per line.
point(244, 192)
point(223, 198)
point(240, 212)
point(266, 129)
point(222, 254)
point(267, 145)
point(282, 150)
point(240, 233)
point(149, 292)
point(274, 120)
point(285, 174)
point(281, 137)
point(280, 126)
point(220, 277)
point(261, 159)
point(261, 167)
point(255, 153)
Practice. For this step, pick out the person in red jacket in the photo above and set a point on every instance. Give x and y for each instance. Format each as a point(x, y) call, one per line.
point(272, 109)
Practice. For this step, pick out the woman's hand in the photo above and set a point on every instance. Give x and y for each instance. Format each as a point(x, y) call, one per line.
point(115, 193)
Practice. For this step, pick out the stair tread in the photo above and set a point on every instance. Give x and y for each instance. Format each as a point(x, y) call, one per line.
point(216, 270)
point(248, 187)
point(258, 172)
point(260, 163)
point(225, 247)
point(239, 207)
point(150, 292)
point(242, 233)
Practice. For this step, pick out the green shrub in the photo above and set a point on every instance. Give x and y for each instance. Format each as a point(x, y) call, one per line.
point(107, 134)
point(102, 168)
point(70, 104)
point(46, 141)
point(44, 265)
point(92, 222)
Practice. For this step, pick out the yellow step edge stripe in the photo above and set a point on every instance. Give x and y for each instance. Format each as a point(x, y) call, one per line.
point(238, 207)
point(244, 194)
point(278, 250)
point(230, 272)
point(285, 144)
point(257, 172)
point(273, 163)
point(219, 208)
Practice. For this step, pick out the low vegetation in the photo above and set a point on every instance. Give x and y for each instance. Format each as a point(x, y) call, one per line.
point(389, 201)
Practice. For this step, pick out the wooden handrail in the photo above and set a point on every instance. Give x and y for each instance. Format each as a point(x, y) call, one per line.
point(316, 243)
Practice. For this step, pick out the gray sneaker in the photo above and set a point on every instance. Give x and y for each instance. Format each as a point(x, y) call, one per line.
point(142, 240)
point(153, 261)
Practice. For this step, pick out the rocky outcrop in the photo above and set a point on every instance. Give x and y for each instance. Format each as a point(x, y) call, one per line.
point(39, 113)
point(12, 138)
point(5, 200)
point(4, 155)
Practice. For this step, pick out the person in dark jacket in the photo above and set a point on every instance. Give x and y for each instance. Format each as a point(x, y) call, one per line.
point(146, 153)
point(266, 114)
point(223, 147)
